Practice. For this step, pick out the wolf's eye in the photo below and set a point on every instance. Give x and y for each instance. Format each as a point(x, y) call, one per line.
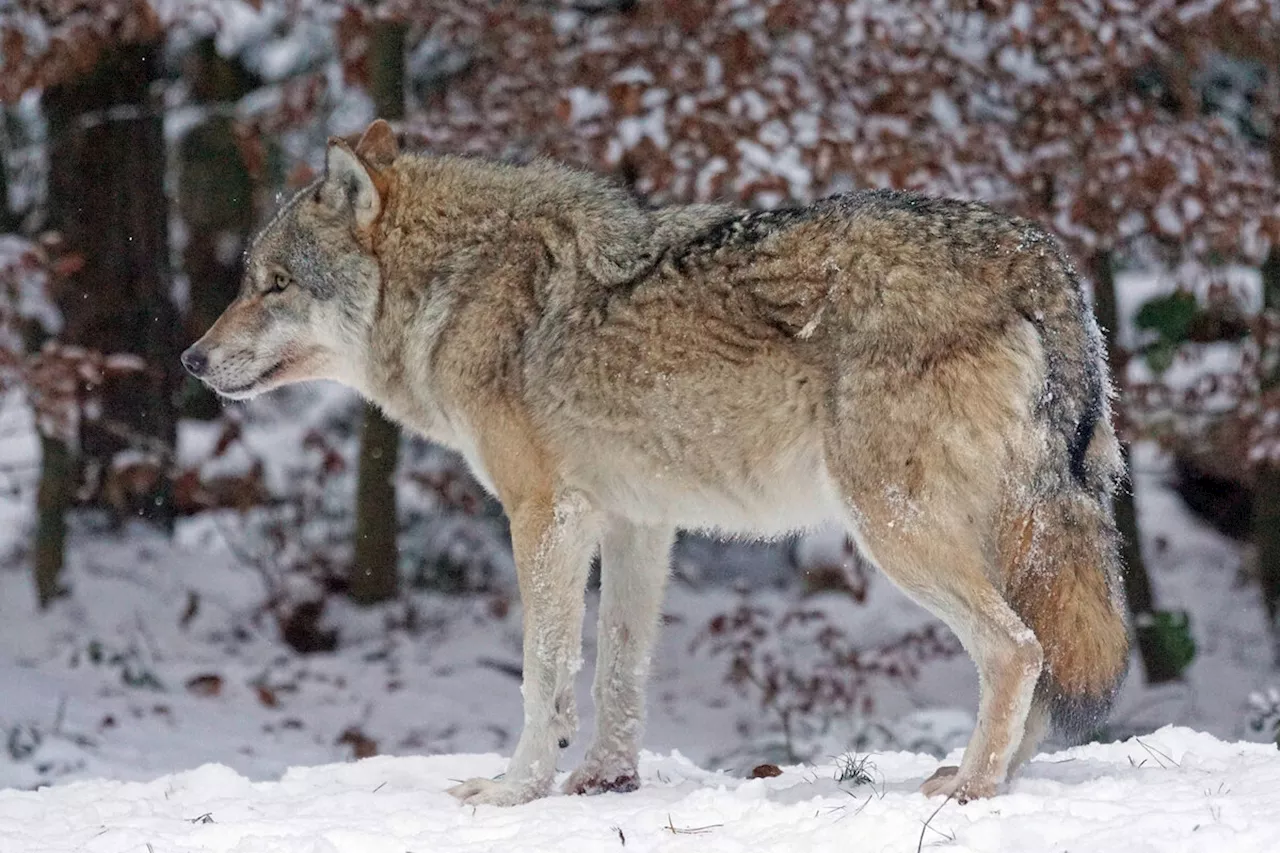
point(279, 281)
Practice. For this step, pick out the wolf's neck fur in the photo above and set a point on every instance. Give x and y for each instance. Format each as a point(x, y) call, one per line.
point(467, 241)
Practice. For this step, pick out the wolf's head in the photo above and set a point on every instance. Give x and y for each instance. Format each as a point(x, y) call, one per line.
point(310, 284)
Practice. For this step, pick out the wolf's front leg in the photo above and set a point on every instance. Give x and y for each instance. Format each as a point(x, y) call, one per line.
point(553, 540)
point(633, 571)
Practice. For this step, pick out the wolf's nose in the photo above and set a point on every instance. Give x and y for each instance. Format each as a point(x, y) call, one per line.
point(196, 361)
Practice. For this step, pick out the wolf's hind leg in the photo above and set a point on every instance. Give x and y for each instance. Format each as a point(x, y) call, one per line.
point(633, 572)
point(945, 571)
point(1034, 731)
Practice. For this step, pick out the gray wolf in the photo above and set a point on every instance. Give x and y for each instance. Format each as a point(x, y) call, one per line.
point(925, 372)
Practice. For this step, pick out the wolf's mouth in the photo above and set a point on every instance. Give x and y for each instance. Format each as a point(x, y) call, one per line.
point(265, 376)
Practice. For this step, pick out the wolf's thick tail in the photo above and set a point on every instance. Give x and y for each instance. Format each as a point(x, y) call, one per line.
point(1060, 547)
point(1063, 565)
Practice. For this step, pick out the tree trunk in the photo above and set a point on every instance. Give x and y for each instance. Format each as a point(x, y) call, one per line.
point(106, 197)
point(53, 498)
point(1157, 660)
point(1266, 496)
point(375, 574)
point(386, 68)
point(9, 219)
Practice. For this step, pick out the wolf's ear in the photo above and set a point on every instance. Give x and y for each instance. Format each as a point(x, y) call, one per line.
point(351, 184)
point(377, 146)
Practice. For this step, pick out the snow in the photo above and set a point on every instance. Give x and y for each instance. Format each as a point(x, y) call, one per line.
point(1174, 791)
point(21, 262)
point(945, 112)
point(585, 104)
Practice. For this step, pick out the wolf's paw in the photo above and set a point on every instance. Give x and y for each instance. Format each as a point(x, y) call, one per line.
point(498, 792)
point(594, 778)
point(948, 782)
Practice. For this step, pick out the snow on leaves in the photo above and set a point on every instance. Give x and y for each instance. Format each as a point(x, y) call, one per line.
point(1080, 114)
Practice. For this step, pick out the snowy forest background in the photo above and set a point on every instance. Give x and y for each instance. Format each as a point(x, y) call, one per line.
point(292, 581)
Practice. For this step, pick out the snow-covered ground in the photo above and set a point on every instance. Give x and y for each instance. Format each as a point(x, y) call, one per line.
point(1174, 791)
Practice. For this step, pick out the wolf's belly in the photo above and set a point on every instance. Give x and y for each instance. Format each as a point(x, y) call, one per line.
point(761, 497)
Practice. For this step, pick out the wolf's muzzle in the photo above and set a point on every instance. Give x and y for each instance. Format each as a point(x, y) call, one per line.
point(196, 361)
